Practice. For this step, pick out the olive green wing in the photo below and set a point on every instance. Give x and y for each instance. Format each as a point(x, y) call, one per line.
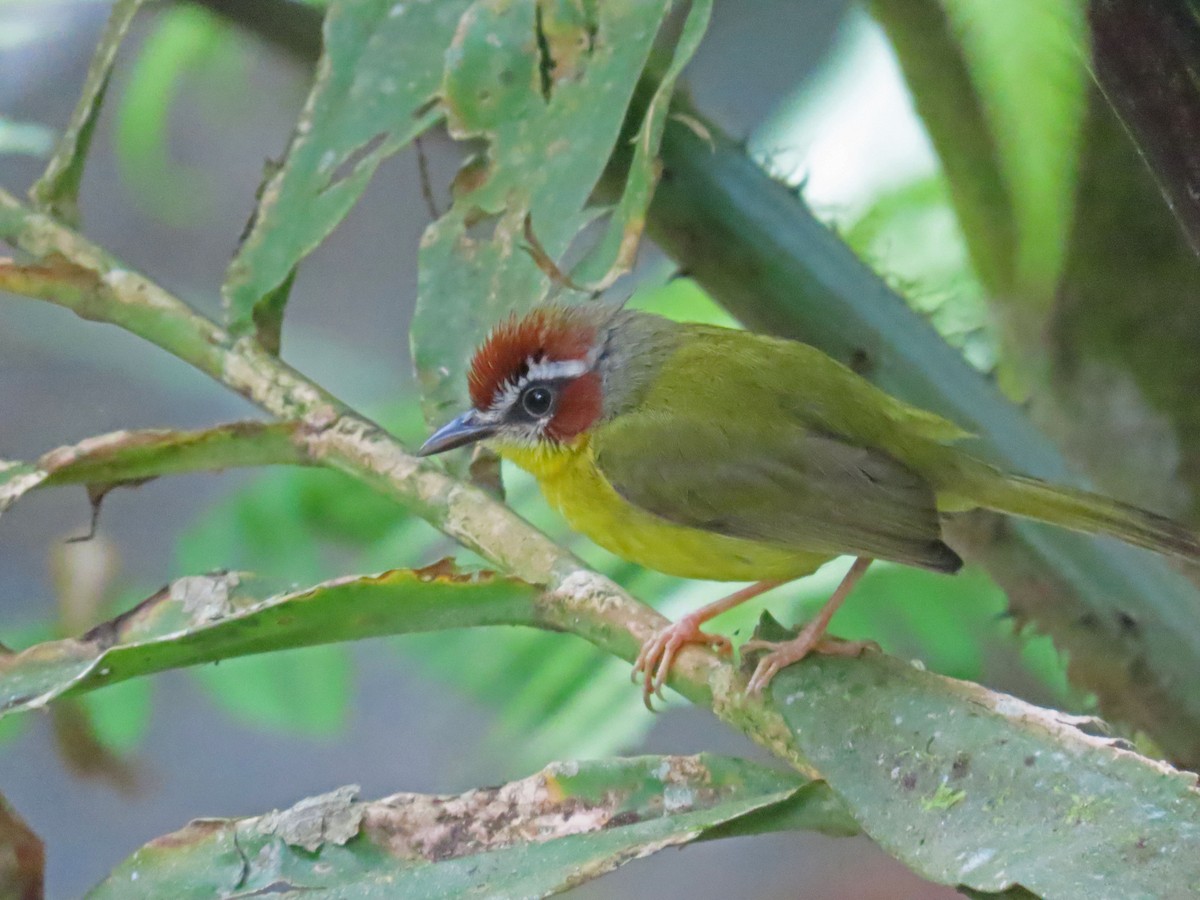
point(798, 384)
point(789, 487)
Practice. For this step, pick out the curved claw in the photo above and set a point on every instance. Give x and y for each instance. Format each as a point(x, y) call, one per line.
point(654, 661)
point(782, 654)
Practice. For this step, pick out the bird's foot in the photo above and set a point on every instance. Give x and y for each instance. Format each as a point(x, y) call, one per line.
point(657, 655)
point(783, 653)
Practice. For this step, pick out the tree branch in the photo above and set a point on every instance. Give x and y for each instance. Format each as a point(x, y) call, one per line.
point(77, 275)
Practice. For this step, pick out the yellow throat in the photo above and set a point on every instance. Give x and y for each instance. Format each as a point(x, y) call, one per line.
point(572, 484)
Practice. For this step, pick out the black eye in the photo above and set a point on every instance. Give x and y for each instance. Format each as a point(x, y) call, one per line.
point(537, 401)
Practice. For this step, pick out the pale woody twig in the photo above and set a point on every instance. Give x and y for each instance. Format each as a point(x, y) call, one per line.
point(97, 287)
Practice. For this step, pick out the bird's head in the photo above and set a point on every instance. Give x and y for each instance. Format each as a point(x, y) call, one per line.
point(537, 380)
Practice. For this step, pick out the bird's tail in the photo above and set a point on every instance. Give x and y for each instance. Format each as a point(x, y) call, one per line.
point(1030, 498)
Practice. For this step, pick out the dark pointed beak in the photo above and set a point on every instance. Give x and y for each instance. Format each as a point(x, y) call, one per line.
point(457, 433)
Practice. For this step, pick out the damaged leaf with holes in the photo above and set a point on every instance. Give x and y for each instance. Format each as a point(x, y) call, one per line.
point(959, 782)
point(567, 824)
point(374, 92)
point(203, 618)
point(546, 86)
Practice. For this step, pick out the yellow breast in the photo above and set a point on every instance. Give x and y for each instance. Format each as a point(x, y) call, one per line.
point(574, 485)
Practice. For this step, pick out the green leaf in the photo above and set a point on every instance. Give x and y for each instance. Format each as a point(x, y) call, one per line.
point(123, 457)
point(306, 691)
point(148, 453)
point(13, 726)
point(531, 838)
point(550, 127)
point(967, 787)
point(381, 67)
point(200, 619)
point(56, 192)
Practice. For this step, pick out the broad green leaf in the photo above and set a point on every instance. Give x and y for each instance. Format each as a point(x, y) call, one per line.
point(147, 453)
point(954, 625)
point(57, 190)
point(550, 124)
point(551, 831)
point(122, 457)
point(968, 787)
point(381, 68)
point(204, 618)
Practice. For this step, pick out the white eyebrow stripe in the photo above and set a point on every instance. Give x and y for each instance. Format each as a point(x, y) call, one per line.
point(548, 371)
point(536, 370)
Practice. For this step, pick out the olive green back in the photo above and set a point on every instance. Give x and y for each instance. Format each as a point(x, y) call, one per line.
point(773, 441)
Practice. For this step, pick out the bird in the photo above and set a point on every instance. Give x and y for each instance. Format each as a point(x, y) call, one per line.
point(716, 453)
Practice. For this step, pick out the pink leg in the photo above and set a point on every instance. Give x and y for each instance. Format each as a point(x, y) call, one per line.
point(658, 654)
point(811, 638)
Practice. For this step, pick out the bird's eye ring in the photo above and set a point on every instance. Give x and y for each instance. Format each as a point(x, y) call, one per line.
point(537, 401)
